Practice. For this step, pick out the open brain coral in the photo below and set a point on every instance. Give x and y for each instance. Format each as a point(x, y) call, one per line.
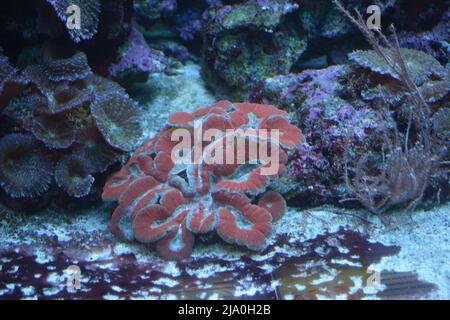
point(168, 203)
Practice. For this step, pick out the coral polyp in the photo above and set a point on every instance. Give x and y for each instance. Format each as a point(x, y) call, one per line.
point(25, 167)
point(167, 200)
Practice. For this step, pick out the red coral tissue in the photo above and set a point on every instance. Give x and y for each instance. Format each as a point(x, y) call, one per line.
point(206, 171)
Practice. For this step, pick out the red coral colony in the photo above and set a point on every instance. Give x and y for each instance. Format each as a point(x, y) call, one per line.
point(168, 202)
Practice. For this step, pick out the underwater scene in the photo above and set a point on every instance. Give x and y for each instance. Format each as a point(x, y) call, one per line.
point(224, 150)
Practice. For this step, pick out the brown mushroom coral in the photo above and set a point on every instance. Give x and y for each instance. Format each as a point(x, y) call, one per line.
point(25, 167)
point(55, 131)
point(73, 68)
point(91, 146)
point(84, 121)
point(11, 84)
point(61, 96)
point(118, 119)
point(72, 174)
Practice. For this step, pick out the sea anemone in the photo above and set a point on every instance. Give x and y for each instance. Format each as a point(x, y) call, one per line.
point(25, 168)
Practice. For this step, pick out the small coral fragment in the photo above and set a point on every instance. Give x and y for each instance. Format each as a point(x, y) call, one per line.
point(25, 168)
point(138, 60)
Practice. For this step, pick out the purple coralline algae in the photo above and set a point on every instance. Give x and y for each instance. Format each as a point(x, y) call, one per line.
point(331, 120)
point(137, 58)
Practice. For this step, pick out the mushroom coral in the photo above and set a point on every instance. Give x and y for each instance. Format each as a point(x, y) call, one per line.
point(72, 68)
point(81, 121)
point(25, 167)
point(90, 10)
point(166, 201)
point(72, 174)
point(118, 119)
point(55, 131)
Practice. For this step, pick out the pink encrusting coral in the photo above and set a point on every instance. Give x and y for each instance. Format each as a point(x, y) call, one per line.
point(166, 201)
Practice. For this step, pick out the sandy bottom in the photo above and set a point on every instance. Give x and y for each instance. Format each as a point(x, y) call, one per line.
point(321, 253)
